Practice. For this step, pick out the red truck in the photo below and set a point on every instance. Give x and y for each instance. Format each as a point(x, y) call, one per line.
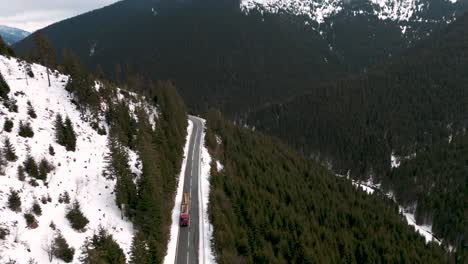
point(184, 210)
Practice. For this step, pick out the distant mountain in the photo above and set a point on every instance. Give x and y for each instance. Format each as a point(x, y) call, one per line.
point(240, 55)
point(12, 35)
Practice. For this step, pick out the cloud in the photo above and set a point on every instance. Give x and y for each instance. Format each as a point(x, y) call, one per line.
point(32, 15)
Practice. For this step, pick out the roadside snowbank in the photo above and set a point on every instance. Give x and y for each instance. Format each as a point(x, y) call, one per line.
point(205, 248)
point(172, 244)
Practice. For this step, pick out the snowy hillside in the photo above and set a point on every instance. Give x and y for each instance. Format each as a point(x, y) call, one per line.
point(75, 174)
point(319, 10)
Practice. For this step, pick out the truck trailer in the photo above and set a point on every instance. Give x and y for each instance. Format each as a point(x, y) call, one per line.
point(184, 210)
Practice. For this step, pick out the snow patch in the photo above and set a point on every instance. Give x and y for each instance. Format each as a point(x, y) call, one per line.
point(219, 166)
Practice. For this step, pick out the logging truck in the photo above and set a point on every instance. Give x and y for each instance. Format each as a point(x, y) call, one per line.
point(184, 210)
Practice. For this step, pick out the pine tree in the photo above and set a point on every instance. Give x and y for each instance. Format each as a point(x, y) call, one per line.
point(139, 250)
point(30, 166)
point(3, 163)
point(102, 248)
point(31, 221)
point(59, 130)
point(25, 130)
point(64, 133)
point(36, 209)
point(8, 125)
point(70, 136)
point(14, 201)
point(31, 111)
point(117, 168)
point(61, 249)
point(44, 168)
point(76, 217)
point(4, 88)
point(21, 173)
point(9, 150)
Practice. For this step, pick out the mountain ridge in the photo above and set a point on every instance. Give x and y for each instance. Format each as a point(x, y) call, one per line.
point(12, 35)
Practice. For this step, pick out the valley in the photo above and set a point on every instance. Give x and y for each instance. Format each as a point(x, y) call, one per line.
point(238, 131)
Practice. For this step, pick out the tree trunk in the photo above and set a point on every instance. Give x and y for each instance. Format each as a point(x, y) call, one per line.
point(48, 77)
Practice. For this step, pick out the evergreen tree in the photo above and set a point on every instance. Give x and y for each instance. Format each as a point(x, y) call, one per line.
point(14, 201)
point(140, 250)
point(8, 125)
point(70, 136)
point(76, 217)
point(44, 168)
point(102, 248)
point(59, 130)
point(4, 88)
point(3, 163)
point(36, 209)
point(51, 150)
point(9, 150)
point(30, 166)
point(61, 249)
point(25, 130)
point(21, 174)
point(117, 167)
point(31, 111)
point(64, 133)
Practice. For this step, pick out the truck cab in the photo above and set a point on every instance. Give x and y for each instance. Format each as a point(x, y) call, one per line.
point(184, 220)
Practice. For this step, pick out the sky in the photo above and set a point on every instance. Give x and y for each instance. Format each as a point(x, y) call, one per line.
point(31, 15)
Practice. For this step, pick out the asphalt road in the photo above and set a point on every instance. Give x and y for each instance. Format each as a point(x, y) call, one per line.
point(188, 240)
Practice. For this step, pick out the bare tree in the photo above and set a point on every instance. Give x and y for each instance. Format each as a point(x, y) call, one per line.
point(49, 246)
point(46, 51)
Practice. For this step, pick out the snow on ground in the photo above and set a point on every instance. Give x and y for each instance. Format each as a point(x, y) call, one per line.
point(395, 161)
point(79, 173)
point(172, 244)
point(364, 187)
point(315, 10)
point(205, 247)
point(320, 10)
point(424, 230)
point(219, 166)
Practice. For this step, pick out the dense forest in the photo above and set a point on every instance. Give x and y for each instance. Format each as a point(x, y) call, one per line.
point(436, 180)
point(221, 57)
point(399, 108)
point(269, 205)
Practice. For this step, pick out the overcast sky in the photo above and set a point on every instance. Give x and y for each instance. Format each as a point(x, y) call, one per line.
point(31, 15)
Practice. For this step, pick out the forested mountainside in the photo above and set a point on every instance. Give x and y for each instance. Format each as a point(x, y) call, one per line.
point(222, 55)
point(92, 167)
point(435, 184)
point(399, 108)
point(269, 205)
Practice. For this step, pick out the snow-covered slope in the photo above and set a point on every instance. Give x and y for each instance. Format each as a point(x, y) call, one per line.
point(79, 173)
point(319, 10)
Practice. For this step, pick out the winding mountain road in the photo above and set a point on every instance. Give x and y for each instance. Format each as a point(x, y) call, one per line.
point(189, 237)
